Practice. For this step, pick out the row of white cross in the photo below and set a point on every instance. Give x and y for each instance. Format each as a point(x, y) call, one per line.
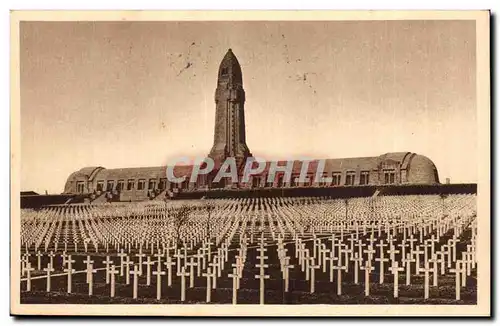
point(102, 232)
point(319, 258)
point(420, 242)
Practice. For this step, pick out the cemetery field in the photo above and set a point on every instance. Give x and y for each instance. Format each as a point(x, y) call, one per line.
point(417, 249)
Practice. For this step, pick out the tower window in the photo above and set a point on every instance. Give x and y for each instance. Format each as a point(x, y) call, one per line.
point(224, 71)
point(349, 178)
point(309, 180)
point(323, 183)
point(389, 176)
point(80, 187)
point(365, 178)
point(336, 178)
point(163, 184)
point(280, 181)
point(120, 185)
point(100, 185)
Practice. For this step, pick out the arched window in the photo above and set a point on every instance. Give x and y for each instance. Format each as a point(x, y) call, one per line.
point(389, 176)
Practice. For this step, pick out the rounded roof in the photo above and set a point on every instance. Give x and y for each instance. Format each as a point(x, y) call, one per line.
point(143, 172)
point(86, 173)
point(231, 68)
point(422, 170)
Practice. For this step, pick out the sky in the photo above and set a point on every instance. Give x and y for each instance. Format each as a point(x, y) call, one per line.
point(132, 94)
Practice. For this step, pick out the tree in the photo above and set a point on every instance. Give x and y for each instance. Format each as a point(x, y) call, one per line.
point(443, 205)
point(209, 207)
point(180, 217)
point(346, 202)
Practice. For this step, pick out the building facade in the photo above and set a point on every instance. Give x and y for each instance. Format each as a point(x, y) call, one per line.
point(136, 184)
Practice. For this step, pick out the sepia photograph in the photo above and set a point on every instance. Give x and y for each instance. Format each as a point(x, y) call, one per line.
point(256, 163)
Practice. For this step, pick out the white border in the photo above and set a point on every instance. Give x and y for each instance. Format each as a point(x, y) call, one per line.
point(277, 309)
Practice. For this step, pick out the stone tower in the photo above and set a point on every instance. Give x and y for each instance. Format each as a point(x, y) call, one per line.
point(229, 133)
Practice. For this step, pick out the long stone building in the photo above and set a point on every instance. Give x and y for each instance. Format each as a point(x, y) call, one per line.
point(134, 184)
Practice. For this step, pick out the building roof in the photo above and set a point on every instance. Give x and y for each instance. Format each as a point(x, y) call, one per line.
point(331, 165)
point(231, 67)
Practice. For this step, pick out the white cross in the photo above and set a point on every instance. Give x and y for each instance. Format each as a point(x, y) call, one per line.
point(307, 260)
point(64, 256)
point(113, 272)
point(140, 255)
point(239, 269)
point(453, 243)
point(191, 265)
point(28, 280)
point(235, 278)
point(49, 270)
point(158, 274)
point(457, 270)
point(51, 258)
point(107, 262)
point(426, 271)
point(467, 261)
point(159, 255)
point(381, 261)
point(434, 262)
point(198, 264)
point(169, 263)
point(122, 255)
point(395, 271)
point(357, 263)
point(262, 277)
point(90, 274)
point(136, 272)
point(148, 264)
point(392, 252)
point(219, 261)
point(448, 253)
point(39, 256)
point(214, 266)
point(464, 272)
point(367, 268)
point(127, 264)
point(88, 262)
point(339, 269)
point(403, 245)
point(24, 263)
point(346, 251)
point(441, 260)
point(411, 240)
point(178, 255)
point(417, 252)
point(370, 253)
point(324, 258)
point(183, 275)
point(407, 261)
point(427, 245)
point(209, 276)
point(313, 268)
point(286, 272)
point(70, 271)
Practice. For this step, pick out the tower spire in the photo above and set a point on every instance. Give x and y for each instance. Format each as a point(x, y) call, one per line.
point(229, 132)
